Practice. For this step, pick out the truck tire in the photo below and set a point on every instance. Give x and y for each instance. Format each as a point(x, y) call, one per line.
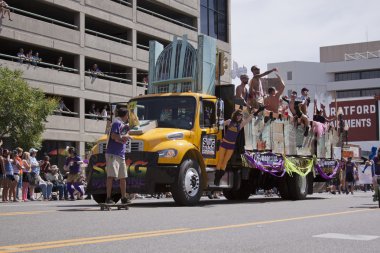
point(187, 190)
point(297, 186)
point(242, 193)
point(282, 187)
point(101, 198)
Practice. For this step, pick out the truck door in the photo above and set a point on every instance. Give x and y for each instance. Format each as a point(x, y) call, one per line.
point(210, 137)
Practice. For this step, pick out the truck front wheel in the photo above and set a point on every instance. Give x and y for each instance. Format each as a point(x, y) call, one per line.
point(187, 190)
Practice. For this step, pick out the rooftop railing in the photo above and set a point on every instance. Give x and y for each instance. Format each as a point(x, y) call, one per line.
point(50, 20)
point(364, 55)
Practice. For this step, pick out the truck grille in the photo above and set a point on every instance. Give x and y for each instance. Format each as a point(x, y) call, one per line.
point(135, 146)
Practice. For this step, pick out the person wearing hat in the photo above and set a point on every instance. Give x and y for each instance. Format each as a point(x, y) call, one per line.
point(241, 90)
point(115, 155)
point(46, 187)
point(56, 179)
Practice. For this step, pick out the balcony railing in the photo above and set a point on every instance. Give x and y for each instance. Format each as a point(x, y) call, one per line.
point(37, 16)
point(166, 18)
point(36, 63)
point(106, 36)
point(101, 75)
point(123, 2)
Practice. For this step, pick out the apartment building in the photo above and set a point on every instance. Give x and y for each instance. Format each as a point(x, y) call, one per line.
point(114, 35)
point(349, 74)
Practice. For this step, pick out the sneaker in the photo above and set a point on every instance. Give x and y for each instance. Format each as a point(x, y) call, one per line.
point(110, 201)
point(88, 197)
point(125, 201)
point(72, 199)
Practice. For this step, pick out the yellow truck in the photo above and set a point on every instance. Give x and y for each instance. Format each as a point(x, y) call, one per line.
point(175, 145)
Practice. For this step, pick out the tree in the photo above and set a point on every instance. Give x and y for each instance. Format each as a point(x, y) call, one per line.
point(23, 110)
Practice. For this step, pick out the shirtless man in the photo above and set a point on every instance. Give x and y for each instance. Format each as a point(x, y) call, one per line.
point(305, 96)
point(4, 8)
point(241, 90)
point(295, 108)
point(272, 101)
point(256, 92)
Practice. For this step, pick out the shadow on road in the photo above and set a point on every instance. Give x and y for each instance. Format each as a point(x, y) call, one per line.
point(170, 203)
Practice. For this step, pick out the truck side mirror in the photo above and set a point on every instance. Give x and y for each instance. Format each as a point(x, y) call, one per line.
point(220, 113)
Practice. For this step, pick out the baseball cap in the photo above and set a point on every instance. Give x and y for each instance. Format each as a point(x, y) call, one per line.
point(33, 150)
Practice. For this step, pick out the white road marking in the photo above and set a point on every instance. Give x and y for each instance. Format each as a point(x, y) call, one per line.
point(347, 237)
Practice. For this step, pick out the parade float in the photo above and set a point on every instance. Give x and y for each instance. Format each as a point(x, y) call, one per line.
point(178, 126)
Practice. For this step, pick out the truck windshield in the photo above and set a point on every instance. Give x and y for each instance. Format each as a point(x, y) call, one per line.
point(170, 112)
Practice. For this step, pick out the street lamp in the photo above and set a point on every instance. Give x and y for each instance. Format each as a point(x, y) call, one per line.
point(345, 130)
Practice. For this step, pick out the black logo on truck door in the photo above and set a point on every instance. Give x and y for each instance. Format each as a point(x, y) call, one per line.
point(208, 146)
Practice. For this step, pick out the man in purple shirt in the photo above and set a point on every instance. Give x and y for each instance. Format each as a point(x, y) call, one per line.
point(115, 155)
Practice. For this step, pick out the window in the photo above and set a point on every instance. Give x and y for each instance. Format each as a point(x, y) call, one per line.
point(208, 116)
point(358, 93)
point(289, 75)
point(214, 18)
point(347, 76)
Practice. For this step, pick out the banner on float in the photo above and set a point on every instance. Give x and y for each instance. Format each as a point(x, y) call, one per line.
point(366, 177)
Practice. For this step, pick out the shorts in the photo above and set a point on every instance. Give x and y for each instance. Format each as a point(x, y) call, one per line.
point(10, 177)
point(73, 178)
point(16, 177)
point(25, 177)
point(116, 167)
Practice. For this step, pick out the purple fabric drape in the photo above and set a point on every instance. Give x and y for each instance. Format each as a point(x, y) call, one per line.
point(275, 169)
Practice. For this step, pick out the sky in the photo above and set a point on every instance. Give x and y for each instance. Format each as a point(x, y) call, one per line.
point(269, 31)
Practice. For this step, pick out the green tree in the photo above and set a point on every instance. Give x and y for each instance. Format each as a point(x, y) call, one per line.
point(23, 110)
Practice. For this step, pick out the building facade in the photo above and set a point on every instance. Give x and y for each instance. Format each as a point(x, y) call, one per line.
point(348, 74)
point(93, 52)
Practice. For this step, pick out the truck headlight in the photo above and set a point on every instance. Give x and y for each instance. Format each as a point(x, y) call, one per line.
point(167, 153)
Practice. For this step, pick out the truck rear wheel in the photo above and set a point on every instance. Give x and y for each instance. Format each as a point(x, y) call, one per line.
point(283, 188)
point(187, 190)
point(242, 193)
point(297, 186)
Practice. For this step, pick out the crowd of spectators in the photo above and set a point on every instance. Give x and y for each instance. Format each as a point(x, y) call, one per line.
point(22, 177)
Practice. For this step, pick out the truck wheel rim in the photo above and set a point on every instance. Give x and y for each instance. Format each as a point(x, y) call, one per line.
point(191, 182)
point(302, 184)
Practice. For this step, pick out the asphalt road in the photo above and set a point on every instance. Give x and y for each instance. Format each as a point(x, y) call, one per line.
point(321, 223)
